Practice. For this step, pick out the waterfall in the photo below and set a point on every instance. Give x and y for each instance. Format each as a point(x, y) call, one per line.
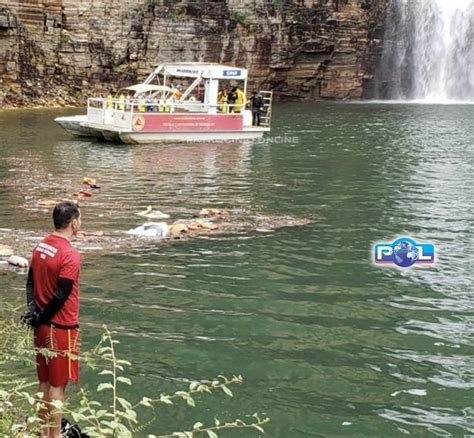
point(428, 52)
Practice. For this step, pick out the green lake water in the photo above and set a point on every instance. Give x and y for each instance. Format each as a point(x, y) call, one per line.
point(329, 345)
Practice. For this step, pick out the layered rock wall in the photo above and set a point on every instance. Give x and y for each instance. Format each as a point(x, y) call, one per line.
point(61, 51)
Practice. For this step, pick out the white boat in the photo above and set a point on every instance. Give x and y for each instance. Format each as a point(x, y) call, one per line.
point(158, 111)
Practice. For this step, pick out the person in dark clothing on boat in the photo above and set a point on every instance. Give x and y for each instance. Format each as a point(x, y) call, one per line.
point(231, 98)
point(257, 107)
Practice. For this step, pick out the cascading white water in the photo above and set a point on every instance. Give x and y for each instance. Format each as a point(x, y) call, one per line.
point(428, 51)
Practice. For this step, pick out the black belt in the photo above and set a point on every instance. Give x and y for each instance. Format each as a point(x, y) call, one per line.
point(63, 327)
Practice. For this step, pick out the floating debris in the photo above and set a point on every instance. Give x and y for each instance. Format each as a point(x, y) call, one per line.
point(237, 223)
point(83, 194)
point(21, 262)
point(91, 182)
point(213, 212)
point(178, 230)
point(202, 225)
point(157, 230)
point(149, 213)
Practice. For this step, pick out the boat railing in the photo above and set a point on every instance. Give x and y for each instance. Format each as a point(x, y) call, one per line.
point(119, 113)
point(138, 106)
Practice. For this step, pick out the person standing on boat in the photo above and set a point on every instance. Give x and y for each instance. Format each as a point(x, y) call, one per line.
point(121, 105)
point(177, 93)
point(156, 104)
point(110, 102)
point(240, 100)
point(142, 105)
point(231, 98)
point(149, 104)
point(52, 293)
point(256, 101)
point(222, 99)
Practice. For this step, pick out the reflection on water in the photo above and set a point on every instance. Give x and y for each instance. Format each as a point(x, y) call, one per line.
point(329, 344)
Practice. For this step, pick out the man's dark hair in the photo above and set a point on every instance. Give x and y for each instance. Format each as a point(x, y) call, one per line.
point(64, 213)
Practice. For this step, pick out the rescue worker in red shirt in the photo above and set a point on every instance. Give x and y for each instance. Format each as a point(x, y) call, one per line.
point(52, 292)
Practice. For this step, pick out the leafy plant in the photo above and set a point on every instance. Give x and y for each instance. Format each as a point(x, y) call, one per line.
point(238, 17)
point(279, 5)
point(18, 408)
point(64, 38)
point(176, 10)
point(114, 416)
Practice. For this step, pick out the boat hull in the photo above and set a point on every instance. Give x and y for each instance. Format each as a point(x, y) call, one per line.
point(187, 137)
point(79, 127)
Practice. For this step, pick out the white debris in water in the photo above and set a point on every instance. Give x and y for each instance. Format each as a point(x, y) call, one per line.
point(375, 368)
point(149, 213)
point(157, 230)
point(419, 392)
point(21, 262)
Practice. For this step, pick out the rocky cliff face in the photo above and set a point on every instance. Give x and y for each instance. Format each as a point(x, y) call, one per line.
point(62, 51)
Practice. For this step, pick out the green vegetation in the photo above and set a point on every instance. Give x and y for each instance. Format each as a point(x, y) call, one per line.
point(255, 28)
point(176, 9)
point(114, 417)
point(238, 17)
point(64, 38)
point(279, 5)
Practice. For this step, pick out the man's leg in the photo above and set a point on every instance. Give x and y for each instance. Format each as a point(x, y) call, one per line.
point(41, 337)
point(55, 393)
point(62, 368)
point(44, 411)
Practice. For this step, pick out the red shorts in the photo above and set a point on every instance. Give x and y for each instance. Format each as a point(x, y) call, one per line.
point(61, 368)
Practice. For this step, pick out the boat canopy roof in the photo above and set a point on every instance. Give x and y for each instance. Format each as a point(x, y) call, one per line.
point(143, 88)
point(203, 70)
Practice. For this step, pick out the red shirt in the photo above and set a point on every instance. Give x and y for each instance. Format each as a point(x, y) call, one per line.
point(55, 257)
